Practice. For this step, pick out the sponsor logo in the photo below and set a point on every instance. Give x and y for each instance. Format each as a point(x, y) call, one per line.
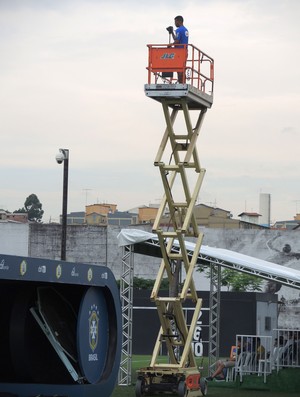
point(58, 271)
point(23, 268)
point(3, 266)
point(74, 273)
point(42, 269)
point(167, 55)
point(104, 275)
point(93, 331)
point(90, 274)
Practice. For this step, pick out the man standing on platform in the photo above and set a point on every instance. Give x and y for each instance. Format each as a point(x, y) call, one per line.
point(181, 36)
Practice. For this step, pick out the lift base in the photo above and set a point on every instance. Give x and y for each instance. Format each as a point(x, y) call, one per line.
point(181, 382)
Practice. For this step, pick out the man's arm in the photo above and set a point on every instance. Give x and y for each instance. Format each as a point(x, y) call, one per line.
point(174, 38)
point(171, 31)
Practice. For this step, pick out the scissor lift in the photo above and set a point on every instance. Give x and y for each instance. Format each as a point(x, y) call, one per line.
point(177, 156)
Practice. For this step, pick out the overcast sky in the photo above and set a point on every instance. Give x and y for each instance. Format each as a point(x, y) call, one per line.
point(72, 75)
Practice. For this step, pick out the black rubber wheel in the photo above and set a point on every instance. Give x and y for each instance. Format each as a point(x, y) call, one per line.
point(203, 386)
point(181, 389)
point(140, 388)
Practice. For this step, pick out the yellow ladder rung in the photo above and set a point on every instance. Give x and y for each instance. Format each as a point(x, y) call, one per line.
point(188, 164)
point(181, 205)
point(166, 234)
point(175, 256)
point(167, 299)
point(170, 167)
point(185, 137)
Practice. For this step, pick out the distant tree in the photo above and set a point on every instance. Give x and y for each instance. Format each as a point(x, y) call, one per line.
point(236, 281)
point(33, 207)
point(239, 282)
point(143, 283)
point(20, 211)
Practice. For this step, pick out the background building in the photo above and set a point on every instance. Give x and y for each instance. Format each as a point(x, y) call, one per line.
point(7, 216)
point(147, 214)
point(265, 209)
point(218, 218)
point(288, 224)
point(250, 217)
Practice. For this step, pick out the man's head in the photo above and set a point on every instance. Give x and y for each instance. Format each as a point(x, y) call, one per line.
point(178, 21)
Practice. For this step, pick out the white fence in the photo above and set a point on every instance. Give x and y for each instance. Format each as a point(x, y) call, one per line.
point(253, 355)
point(286, 351)
point(261, 355)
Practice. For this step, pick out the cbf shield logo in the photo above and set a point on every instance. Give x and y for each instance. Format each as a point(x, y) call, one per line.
point(93, 334)
point(94, 327)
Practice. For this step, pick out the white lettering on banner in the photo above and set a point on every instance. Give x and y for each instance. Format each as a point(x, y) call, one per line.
point(197, 344)
point(197, 349)
point(3, 266)
point(74, 273)
point(197, 333)
point(93, 357)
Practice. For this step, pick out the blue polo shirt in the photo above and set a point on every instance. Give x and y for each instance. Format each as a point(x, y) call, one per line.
point(182, 34)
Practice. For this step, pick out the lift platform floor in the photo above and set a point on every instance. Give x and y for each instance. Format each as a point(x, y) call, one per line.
point(173, 93)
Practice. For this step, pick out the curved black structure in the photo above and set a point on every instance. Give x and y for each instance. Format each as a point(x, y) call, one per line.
point(60, 330)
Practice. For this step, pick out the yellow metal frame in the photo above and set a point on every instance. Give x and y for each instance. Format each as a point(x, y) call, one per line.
point(183, 223)
point(174, 331)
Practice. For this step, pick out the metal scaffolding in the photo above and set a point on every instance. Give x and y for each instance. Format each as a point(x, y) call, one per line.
point(214, 315)
point(126, 292)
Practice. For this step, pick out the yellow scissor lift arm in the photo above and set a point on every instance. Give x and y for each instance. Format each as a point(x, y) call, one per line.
point(180, 374)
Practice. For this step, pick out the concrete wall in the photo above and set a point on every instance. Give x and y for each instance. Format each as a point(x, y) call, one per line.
point(14, 238)
point(99, 245)
point(87, 244)
point(281, 247)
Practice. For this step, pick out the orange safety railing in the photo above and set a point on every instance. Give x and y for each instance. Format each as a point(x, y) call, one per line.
point(196, 67)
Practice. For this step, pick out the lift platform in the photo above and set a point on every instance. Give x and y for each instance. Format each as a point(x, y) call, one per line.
point(181, 79)
point(196, 68)
point(194, 98)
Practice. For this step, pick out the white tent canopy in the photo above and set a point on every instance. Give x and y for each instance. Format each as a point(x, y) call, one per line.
point(218, 256)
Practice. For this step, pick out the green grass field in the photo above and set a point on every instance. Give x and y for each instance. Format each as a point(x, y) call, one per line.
point(234, 391)
point(214, 389)
point(128, 391)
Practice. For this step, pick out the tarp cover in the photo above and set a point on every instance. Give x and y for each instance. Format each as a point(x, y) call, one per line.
point(133, 236)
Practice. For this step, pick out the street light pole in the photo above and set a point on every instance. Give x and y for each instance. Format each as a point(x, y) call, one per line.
point(63, 157)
